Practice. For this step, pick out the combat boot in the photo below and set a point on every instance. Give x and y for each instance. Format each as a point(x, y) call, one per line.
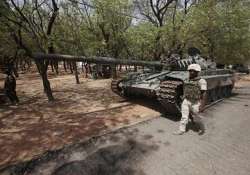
point(179, 132)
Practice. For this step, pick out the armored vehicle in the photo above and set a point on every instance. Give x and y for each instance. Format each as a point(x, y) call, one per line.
point(241, 68)
point(101, 71)
point(167, 86)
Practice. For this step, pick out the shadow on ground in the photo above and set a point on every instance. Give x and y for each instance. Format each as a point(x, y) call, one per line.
point(118, 153)
point(153, 104)
point(111, 160)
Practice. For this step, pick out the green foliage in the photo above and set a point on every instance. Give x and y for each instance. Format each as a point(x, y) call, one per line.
point(141, 41)
point(220, 29)
point(112, 25)
point(234, 41)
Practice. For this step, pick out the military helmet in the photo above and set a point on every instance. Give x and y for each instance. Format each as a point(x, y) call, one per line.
point(195, 67)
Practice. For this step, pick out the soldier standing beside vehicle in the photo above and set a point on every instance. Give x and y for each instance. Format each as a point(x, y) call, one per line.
point(194, 99)
point(10, 87)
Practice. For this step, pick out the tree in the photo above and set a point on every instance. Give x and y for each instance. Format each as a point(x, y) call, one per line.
point(163, 15)
point(234, 41)
point(221, 30)
point(140, 40)
point(31, 26)
point(156, 11)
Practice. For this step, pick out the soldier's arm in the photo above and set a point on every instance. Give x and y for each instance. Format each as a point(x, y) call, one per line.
point(203, 100)
point(203, 85)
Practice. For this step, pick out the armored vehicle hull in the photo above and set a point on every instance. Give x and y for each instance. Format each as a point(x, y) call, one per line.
point(101, 71)
point(167, 86)
point(164, 86)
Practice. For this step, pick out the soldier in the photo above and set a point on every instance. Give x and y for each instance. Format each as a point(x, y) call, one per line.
point(194, 98)
point(10, 87)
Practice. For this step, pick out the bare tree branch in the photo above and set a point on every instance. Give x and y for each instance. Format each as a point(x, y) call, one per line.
point(154, 10)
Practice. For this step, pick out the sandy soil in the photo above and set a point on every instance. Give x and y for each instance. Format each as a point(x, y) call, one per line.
point(242, 81)
point(80, 111)
point(150, 148)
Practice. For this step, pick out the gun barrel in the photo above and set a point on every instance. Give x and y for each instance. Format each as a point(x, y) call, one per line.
point(100, 60)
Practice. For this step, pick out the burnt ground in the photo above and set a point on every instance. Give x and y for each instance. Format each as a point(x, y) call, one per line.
point(90, 109)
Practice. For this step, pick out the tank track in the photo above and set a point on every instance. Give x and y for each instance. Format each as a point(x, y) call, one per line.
point(219, 93)
point(115, 87)
point(169, 96)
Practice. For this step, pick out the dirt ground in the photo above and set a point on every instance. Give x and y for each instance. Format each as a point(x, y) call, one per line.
point(242, 81)
point(80, 112)
point(150, 148)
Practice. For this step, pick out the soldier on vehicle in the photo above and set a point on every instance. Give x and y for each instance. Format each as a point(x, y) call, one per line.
point(10, 87)
point(194, 98)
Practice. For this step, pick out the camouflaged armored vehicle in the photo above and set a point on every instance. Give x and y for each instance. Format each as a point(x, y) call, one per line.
point(167, 86)
point(101, 71)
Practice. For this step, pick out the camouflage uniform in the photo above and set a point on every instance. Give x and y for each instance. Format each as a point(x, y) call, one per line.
point(191, 102)
point(10, 88)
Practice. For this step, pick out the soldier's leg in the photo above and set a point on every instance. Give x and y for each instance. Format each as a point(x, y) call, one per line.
point(10, 96)
point(15, 96)
point(185, 111)
point(197, 116)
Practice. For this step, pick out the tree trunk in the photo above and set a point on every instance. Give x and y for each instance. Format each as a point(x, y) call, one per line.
point(135, 68)
point(71, 67)
point(45, 63)
point(86, 70)
point(52, 66)
point(46, 84)
point(17, 65)
point(76, 73)
point(82, 67)
point(29, 63)
point(47, 87)
point(65, 66)
point(56, 67)
point(114, 72)
point(89, 69)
